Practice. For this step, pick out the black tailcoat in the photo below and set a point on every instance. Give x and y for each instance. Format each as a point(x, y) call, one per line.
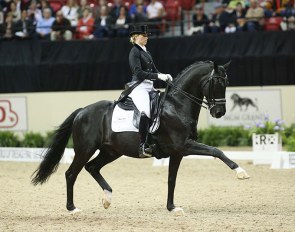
point(142, 65)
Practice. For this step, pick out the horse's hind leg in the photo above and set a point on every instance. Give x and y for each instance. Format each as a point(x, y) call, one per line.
point(105, 157)
point(71, 174)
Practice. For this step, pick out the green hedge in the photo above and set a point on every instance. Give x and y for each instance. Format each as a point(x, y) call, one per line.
point(9, 139)
point(30, 139)
point(213, 136)
point(225, 136)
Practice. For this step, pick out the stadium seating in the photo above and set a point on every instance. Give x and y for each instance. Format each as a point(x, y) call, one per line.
point(272, 24)
point(56, 4)
point(173, 12)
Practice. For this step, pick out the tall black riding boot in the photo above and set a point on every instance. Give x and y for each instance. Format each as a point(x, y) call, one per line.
point(144, 123)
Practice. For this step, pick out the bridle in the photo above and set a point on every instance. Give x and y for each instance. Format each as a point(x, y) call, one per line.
point(211, 101)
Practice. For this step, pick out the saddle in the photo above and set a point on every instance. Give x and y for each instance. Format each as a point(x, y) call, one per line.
point(125, 107)
point(127, 104)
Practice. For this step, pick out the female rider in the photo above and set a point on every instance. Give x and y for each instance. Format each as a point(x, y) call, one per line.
point(144, 71)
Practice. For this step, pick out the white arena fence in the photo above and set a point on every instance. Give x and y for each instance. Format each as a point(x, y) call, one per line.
point(276, 160)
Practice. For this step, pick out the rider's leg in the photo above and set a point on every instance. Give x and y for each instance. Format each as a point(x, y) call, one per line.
point(141, 99)
point(144, 124)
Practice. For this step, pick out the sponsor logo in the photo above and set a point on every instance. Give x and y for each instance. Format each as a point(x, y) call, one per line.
point(8, 117)
point(248, 107)
point(242, 103)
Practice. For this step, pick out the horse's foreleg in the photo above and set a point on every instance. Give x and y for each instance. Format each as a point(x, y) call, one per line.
point(94, 166)
point(174, 163)
point(234, 106)
point(195, 148)
point(247, 105)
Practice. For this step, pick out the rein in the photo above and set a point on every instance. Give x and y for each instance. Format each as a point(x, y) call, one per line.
point(189, 96)
point(211, 102)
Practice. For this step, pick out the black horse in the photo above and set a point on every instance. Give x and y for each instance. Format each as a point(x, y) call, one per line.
point(175, 138)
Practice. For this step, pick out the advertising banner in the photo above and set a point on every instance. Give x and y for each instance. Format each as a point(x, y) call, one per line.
point(247, 107)
point(13, 113)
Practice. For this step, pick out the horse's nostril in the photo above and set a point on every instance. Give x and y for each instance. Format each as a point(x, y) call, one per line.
point(218, 114)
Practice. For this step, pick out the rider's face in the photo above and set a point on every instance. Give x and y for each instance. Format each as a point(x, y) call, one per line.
point(142, 39)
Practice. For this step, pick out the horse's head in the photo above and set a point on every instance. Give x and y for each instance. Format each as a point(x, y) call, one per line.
point(214, 90)
point(234, 97)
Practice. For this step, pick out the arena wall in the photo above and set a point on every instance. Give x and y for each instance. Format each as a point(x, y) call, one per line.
point(47, 110)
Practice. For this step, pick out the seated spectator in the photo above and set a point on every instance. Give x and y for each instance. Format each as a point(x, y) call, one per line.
point(233, 3)
point(61, 28)
point(214, 25)
point(70, 12)
point(122, 23)
point(155, 12)
point(228, 20)
point(97, 7)
point(24, 28)
point(35, 14)
point(240, 13)
point(200, 21)
point(102, 24)
point(21, 5)
point(115, 10)
point(83, 5)
point(6, 28)
point(288, 15)
point(45, 4)
point(140, 16)
point(133, 8)
point(254, 17)
point(267, 8)
point(85, 25)
point(44, 25)
point(15, 13)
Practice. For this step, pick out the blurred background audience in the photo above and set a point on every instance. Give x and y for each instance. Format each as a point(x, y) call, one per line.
point(101, 19)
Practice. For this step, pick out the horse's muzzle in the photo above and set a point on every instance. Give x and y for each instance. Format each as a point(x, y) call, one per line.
point(219, 114)
point(218, 111)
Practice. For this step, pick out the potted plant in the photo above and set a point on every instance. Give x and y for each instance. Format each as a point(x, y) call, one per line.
point(267, 134)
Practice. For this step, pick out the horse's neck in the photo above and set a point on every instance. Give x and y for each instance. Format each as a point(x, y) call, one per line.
point(182, 105)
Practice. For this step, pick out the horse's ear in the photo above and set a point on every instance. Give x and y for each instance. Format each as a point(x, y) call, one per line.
point(226, 65)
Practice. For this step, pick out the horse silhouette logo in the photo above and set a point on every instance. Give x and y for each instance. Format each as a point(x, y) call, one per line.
point(240, 101)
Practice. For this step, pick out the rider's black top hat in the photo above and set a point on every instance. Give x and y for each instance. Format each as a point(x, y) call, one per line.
point(139, 29)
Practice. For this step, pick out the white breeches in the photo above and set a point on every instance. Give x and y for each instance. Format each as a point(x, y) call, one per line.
point(141, 98)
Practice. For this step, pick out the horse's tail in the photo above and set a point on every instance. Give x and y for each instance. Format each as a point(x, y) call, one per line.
point(55, 151)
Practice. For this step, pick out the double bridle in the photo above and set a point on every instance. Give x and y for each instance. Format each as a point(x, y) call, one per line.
point(211, 102)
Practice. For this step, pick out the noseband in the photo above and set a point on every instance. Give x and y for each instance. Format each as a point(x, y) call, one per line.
point(211, 101)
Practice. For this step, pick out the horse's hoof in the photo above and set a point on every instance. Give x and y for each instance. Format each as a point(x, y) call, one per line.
point(243, 175)
point(106, 199)
point(178, 211)
point(74, 211)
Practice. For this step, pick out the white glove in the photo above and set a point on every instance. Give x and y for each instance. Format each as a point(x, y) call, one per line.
point(165, 77)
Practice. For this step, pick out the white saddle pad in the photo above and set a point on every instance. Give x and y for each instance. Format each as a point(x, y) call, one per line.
point(122, 120)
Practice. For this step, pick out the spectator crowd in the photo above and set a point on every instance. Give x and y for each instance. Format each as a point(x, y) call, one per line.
point(236, 16)
point(96, 19)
